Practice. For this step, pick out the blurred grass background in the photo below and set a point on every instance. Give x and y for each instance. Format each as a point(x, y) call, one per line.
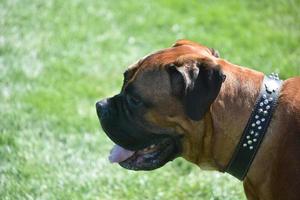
point(57, 58)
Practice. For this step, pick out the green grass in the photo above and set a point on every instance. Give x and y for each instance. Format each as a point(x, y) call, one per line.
point(57, 58)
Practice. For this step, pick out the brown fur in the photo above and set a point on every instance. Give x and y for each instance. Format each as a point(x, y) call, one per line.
point(210, 142)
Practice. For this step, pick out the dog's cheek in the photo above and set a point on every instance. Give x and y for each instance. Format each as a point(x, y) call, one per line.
point(163, 123)
point(157, 119)
point(174, 124)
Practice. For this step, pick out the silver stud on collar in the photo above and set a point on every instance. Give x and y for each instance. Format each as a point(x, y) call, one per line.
point(270, 99)
point(276, 76)
point(251, 147)
point(265, 113)
point(266, 101)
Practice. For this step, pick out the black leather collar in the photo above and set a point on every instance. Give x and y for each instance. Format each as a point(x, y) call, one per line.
point(256, 127)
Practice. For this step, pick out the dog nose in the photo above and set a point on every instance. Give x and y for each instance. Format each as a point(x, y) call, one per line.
point(102, 108)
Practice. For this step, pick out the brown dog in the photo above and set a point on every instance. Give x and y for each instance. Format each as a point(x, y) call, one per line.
point(177, 102)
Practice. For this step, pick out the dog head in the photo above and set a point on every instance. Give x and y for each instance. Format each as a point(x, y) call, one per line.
point(162, 95)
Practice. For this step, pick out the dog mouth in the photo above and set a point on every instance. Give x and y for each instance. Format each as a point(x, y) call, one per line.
point(152, 157)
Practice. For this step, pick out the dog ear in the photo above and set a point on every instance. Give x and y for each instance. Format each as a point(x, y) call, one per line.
point(184, 42)
point(197, 83)
point(214, 52)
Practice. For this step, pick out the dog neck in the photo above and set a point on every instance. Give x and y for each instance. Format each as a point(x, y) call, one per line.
point(232, 109)
point(229, 113)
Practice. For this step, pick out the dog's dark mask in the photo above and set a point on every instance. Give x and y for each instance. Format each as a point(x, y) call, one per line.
point(122, 126)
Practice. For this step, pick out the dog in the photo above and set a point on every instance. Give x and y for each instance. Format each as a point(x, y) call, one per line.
point(186, 101)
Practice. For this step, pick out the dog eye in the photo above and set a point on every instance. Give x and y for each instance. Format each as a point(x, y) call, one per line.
point(133, 101)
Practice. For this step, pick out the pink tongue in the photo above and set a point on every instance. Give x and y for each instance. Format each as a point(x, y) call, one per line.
point(119, 154)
